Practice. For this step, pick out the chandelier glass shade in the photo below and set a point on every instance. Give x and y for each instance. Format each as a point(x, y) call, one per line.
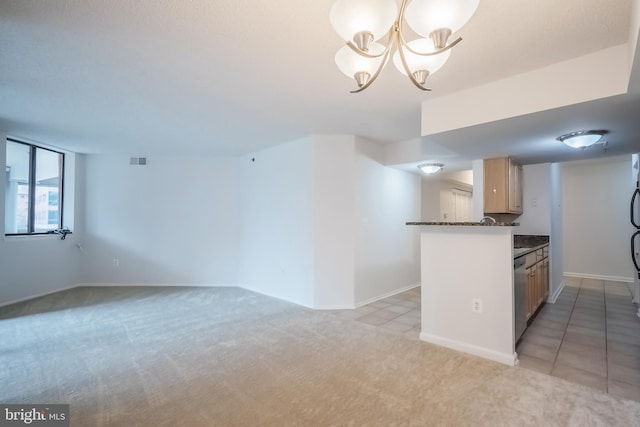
point(357, 66)
point(420, 62)
point(362, 23)
point(426, 16)
point(375, 17)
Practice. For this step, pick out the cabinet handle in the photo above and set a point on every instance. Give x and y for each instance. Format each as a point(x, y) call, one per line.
point(494, 191)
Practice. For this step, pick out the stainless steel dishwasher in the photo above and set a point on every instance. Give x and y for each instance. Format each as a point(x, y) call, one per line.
point(520, 296)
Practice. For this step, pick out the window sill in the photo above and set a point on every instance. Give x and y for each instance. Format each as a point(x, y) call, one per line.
point(28, 237)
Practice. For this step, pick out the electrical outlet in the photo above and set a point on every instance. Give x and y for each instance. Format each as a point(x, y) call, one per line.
point(476, 305)
point(116, 262)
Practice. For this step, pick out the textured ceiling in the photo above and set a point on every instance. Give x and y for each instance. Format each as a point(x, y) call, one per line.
point(230, 77)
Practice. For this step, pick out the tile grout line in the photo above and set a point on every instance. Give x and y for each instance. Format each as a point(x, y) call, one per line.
point(566, 326)
point(589, 306)
point(391, 304)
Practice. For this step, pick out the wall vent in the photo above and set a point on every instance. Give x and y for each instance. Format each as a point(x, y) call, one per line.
point(142, 161)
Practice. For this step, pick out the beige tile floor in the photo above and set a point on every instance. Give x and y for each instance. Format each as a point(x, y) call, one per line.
point(399, 313)
point(590, 336)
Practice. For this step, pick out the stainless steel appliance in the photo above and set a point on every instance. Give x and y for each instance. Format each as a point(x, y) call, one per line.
point(520, 296)
point(635, 222)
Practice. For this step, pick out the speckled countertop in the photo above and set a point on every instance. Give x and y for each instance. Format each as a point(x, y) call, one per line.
point(480, 224)
point(529, 240)
point(525, 244)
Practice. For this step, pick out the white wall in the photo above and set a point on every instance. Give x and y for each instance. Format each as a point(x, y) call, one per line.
point(464, 177)
point(277, 222)
point(478, 196)
point(174, 221)
point(556, 238)
point(334, 204)
point(602, 74)
point(38, 265)
point(484, 272)
point(596, 214)
point(430, 200)
point(324, 223)
point(319, 221)
point(536, 212)
point(387, 252)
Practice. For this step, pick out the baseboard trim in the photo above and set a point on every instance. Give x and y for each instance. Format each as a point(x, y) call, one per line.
point(386, 295)
point(553, 298)
point(42, 294)
point(272, 295)
point(157, 285)
point(496, 356)
point(334, 307)
point(109, 285)
point(600, 277)
point(113, 285)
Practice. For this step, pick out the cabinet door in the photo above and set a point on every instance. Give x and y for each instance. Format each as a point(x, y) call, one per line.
point(545, 278)
point(531, 298)
point(495, 185)
point(515, 187)
point(539, 285)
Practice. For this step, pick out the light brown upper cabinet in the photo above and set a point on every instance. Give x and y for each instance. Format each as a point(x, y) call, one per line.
point(502, 186)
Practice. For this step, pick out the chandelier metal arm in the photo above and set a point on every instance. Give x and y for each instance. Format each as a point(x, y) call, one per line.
point(386, 50)
point(386, 53)
point(403, 6)
point(396, 38)
point(435, 52)
point(376, 74)
point(397, 28)
point(406, 66)
point(403, 43)
point(366, 54)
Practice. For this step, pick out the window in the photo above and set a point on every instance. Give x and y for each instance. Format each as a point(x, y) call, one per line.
point(34, 176)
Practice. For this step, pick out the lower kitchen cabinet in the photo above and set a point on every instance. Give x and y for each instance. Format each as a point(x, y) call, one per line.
point(537, 280)
point(545, 278)
point(531, 286)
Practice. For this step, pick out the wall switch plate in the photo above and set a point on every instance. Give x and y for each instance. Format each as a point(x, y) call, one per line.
point(116, 262)
point(476, 305)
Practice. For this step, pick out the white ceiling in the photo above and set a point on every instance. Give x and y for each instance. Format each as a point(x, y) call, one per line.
point(229, 77)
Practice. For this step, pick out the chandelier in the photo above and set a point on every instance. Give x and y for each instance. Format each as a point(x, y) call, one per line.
point(363, 23)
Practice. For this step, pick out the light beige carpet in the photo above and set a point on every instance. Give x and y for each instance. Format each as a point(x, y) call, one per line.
point(229, 357)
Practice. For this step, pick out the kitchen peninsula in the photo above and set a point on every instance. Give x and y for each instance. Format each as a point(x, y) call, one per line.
point(467, 287)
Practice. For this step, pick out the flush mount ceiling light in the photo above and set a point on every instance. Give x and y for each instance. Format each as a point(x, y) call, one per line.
point(430, 168)
point(362, 22)
point(582, 138)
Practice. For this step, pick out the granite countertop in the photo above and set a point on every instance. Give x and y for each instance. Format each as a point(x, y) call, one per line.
point(474, 224)
point(529, 240)
point(524, 244)
point(518, 252)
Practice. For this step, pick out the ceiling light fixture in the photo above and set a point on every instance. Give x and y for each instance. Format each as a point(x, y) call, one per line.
point(582, 138)
point(431, 168)
point(361, 22)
